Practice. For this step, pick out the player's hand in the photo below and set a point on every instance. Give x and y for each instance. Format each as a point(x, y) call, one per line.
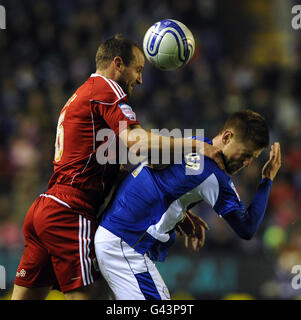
point(215, 154)
point(192, 227)
point(272, 166)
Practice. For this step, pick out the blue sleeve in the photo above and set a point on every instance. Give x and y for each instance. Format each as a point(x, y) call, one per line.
point(244, 221)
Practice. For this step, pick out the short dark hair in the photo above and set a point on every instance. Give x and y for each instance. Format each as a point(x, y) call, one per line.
point(113, 47)
point(249, 126)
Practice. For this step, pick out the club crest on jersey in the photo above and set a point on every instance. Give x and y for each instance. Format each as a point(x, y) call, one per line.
point(127, 111)
point(234, 189)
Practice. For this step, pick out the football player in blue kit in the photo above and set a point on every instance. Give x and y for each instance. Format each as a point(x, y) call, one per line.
point(139, 225)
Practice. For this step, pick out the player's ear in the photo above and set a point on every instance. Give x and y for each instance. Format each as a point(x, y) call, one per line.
point(227, 136)
point(118, 63)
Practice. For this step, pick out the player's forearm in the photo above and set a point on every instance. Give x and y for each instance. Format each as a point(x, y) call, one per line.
point(160, 149)
point(167, 150)
point(246, 222)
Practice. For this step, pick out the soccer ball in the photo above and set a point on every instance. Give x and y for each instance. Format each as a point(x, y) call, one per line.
point(168, 44)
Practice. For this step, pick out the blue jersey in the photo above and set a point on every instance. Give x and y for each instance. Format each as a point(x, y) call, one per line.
point(150, 203)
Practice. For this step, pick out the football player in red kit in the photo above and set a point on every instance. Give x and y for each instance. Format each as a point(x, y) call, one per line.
point(60, 225)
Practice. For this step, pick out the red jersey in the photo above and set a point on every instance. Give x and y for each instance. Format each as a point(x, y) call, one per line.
point(97, 104)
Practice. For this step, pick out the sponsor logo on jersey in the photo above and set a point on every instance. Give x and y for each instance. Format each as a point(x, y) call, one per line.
point(127, 111)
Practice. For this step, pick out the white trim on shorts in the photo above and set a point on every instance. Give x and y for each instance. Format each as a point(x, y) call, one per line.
point(84, 238)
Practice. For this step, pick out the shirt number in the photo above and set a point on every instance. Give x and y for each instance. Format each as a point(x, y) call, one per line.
point(59, 141)
point(193, 161)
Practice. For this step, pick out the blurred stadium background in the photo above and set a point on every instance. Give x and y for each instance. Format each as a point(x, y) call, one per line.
point(247, 56)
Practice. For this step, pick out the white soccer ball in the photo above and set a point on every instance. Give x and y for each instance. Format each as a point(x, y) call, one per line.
point(168, 44)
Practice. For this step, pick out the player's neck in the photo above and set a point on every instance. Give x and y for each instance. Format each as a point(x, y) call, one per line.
point(217, 142)
point(107, 73)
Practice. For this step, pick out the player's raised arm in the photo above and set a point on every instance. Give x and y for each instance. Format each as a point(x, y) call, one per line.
point(272, 166)
point(245, 222)
point(146, 143)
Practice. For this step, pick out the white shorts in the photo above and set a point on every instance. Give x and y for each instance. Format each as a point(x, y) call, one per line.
point(130, 275)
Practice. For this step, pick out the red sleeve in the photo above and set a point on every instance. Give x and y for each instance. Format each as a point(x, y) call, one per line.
point(112, 104)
